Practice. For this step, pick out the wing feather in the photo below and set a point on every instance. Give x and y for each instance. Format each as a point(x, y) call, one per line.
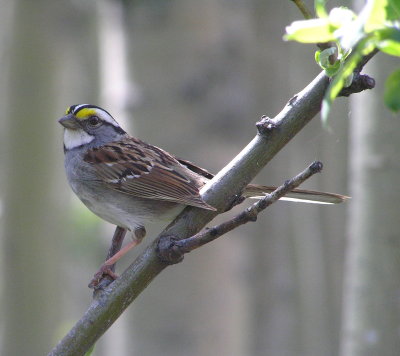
point(133, 167)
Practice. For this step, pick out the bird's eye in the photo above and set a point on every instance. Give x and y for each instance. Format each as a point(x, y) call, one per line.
point(94, 121)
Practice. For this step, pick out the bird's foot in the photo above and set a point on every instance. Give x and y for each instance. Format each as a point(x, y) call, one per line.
point(104, 272)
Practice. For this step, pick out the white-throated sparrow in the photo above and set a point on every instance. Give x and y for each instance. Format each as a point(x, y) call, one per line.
point(130, 183)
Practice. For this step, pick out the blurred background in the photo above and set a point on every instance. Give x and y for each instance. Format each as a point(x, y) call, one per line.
point(193, 77)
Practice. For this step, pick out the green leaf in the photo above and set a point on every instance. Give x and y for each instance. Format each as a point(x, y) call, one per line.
point(325, 109)
point(391, 33)
point(341, 78)
point(393, 10)
point(376, 15)
point(338, 83)
point(317, 56)
point(311, 31)
point(333, 69)
point(320, 10)
point(392, 91)
point(388, 40)
point(390, 47)
point(324, 60)
point(348, 80)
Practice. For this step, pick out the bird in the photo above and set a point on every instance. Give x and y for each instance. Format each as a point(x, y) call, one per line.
point(130, 183)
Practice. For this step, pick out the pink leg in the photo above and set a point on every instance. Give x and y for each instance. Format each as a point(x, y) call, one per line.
point(121, 253)
point(107, 268)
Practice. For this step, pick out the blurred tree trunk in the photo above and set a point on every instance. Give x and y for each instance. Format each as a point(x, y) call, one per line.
point(32, 229)
point(116, 94)
point(187, 59)
point(274, 302)
point(296, 255)
point(371, 297)
point(318, 231)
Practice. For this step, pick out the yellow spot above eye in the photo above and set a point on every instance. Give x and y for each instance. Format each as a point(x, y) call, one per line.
point(68, 111)
point(85, 113)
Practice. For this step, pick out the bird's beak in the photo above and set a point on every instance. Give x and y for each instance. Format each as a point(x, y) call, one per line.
point(69, 122)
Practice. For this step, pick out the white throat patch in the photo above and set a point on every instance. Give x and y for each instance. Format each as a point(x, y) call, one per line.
point(76, 138)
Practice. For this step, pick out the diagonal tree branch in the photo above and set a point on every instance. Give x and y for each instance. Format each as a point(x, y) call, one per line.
point(172, 250)
point(220, 192)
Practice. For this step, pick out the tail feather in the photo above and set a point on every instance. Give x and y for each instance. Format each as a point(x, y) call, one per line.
point(300, 195)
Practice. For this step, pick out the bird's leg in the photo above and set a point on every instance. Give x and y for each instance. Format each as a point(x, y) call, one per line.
point(139, 233)
point(116, 244)
point(115, 253)
point(105, 275)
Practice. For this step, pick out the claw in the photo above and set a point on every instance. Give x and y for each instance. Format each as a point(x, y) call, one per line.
point(103, 272)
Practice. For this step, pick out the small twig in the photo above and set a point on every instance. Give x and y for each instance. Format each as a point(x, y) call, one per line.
point(303, 9)
point(360, 81)
point(365, 59)
point(265, 125)
point(172, 251)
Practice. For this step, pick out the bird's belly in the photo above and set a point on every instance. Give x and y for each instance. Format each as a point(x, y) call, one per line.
point(125, 210)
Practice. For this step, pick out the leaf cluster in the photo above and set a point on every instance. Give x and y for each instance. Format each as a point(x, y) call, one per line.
point(347, 37)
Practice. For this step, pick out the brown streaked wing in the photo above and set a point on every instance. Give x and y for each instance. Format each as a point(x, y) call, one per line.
point(133, 167)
